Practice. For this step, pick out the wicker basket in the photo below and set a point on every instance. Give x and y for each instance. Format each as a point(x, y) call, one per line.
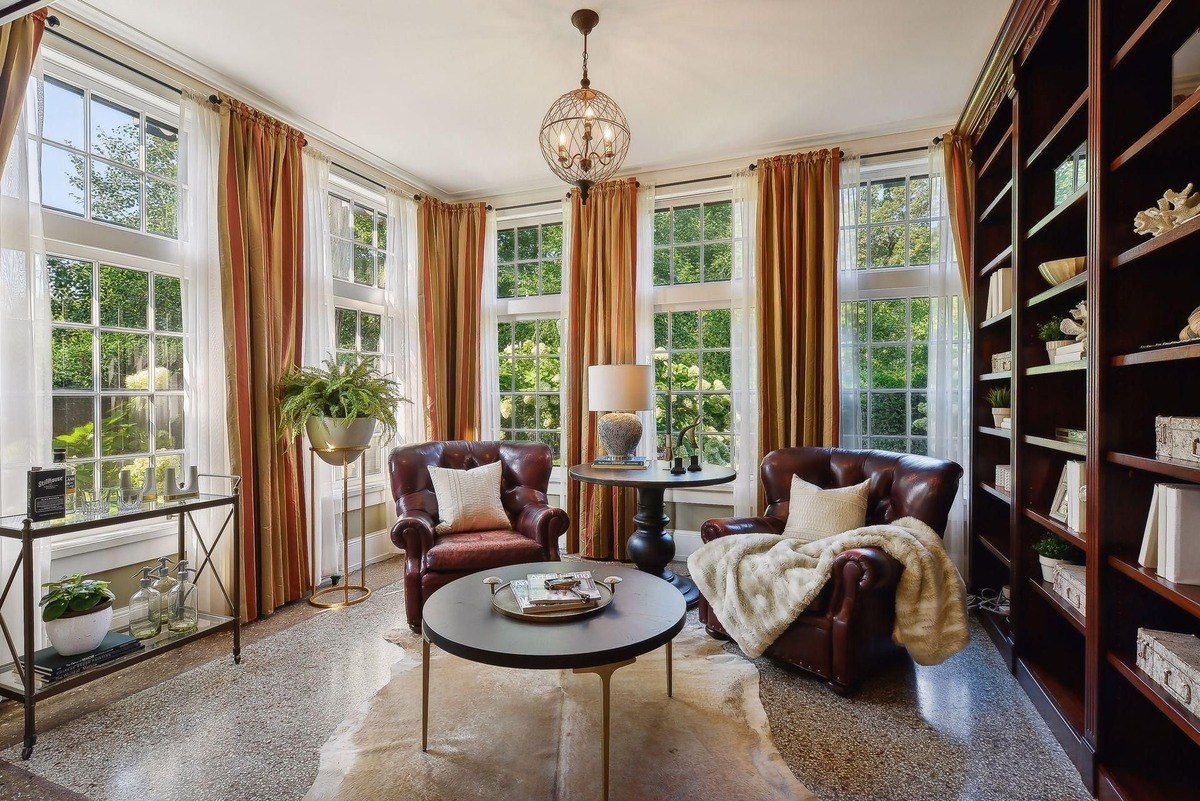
point(1070, 582)
point(1172, 661)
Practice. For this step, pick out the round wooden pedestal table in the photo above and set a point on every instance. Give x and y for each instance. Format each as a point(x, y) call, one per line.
point(645, 614)
point(651, 547)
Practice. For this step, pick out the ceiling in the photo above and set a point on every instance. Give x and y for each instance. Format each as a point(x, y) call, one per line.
point(453, 91)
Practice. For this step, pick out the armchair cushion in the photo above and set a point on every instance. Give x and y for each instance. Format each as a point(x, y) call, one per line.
point(469, 500)
point(481, 550)
point(817, 513)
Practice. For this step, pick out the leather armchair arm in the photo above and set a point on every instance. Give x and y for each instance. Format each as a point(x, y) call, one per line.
point(543, 524)
point(725, 526)
point(860, 572)
point(413, 533)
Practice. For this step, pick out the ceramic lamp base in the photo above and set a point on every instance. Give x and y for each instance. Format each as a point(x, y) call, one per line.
point(620, 433)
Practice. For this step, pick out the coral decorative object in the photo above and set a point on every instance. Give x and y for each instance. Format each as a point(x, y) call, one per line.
point(1171, 211)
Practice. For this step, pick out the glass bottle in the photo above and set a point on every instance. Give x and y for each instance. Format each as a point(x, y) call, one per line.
point(60, 461)
point(163, 583)
point(145, 609)
point(184, 614)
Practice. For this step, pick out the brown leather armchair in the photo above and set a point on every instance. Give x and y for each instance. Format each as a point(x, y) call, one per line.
point(847, 630)
point(429, 561)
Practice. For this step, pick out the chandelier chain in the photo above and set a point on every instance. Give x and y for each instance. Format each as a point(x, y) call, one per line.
point(585, 82)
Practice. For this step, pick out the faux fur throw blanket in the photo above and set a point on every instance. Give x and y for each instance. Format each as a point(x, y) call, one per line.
point(758, 584)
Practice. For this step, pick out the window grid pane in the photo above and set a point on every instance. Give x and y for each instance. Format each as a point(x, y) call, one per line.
point(358, 337)
point(529, 261)
point(693, 243)
point(530, 379)
point(693, 379)
point(357, 241)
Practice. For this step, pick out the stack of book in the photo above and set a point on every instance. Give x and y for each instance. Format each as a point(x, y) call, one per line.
point(999, 297)
point(51, 666)
point(1074, 352)
point(1170, 546)
point(538, 593)
point(621, 462)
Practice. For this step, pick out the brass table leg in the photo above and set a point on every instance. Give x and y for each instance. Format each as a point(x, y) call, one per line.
point(424, 693)
point(669, 693)
point(605, 673)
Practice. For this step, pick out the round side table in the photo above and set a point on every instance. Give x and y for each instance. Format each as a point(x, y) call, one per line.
point(651, 547)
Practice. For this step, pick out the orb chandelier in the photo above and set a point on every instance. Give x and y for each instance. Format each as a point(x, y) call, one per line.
point(584, 135)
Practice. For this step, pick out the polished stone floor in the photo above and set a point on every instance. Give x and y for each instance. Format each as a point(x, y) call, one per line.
point(190, 725)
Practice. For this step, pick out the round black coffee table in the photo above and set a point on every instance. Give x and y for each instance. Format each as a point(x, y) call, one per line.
point(645, 614)
point(651, 547)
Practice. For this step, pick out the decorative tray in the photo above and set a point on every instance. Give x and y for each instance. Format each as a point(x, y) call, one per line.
point(504, 602)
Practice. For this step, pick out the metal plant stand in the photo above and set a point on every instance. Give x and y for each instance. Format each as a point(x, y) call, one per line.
point(19, 682)
point(350, 593)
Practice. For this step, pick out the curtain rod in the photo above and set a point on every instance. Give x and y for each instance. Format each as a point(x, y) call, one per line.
point(53, 22)
point(488, 206)
point(528, 205)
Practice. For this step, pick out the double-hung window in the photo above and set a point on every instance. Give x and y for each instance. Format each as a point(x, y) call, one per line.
point(693, 264)
point(109, 156)
point(530, 331)
point(885, 303)
point(359, 249)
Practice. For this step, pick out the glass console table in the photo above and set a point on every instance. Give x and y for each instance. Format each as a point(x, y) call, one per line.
point(26, 686)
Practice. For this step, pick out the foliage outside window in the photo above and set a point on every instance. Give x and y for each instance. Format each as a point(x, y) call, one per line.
point(693, 243)
point(103, 161)
point(530, 379)
point(117, 369)
point(529, 261)
point(358, 241)
point(359, 337)
point(894, 224)
point(693, 378)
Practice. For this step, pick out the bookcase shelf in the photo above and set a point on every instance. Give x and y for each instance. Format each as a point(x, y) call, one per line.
point(1005, 375)
point(1164, 244)
point(1184, 121)
point(1171, 354)
point(1046, 591)
point(991, 489)
point(1060, 529)
point(1185, 596)
point(1003, 196)
point(1066, 135)
point(1001, 147)
point(1056, 445)
point(1061, 367)
point(1001, 258)
point(1172, 468)
point(1176, 712)
point(1053, 292)
point(1073, 208)
point(999, 318)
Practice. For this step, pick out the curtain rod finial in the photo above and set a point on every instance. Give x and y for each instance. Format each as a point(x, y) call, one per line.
point(52, 21)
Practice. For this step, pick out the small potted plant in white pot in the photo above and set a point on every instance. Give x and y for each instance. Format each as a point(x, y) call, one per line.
point(77, 612)
point(999, 399)
point(339, 406)
point(1053, 551)
point(1051, 333)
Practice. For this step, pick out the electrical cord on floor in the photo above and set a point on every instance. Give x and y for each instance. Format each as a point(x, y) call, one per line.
point(989, 600)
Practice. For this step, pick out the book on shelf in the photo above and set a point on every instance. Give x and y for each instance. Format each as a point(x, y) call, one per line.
point(999, 299)
point(1077, 496)
point(1170, 545)
point(53, 666)
point(1069, 353)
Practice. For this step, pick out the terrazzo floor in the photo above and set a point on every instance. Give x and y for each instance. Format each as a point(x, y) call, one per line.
point(191, 725)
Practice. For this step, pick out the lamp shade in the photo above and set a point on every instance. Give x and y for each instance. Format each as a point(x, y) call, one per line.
point(620, 387)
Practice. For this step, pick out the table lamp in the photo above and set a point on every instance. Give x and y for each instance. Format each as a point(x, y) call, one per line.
point(620, 390)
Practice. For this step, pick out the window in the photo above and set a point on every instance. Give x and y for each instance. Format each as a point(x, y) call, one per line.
point(106, 161)
point(358, 241)
point(897, 236)
point(530, 379)
point(358, 336)
point(693, 262)
point(1070, 176)
point(529, 261)
point(117, 367)
point(693, 244)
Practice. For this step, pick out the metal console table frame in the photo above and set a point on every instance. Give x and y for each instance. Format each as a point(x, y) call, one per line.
point(22, 684)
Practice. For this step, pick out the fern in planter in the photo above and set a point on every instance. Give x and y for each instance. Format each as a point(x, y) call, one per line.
point(998, 397)
point(333, 390)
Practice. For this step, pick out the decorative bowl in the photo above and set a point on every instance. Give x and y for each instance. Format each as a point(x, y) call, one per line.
point(1059, 270)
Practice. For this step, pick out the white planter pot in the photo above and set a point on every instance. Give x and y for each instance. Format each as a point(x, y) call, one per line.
point(1000, 414)
point(1048, 566)
point(339, 440)
point(1055, 345)
point(81, 633)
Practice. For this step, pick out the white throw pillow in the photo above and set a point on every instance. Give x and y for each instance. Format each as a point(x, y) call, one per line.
point(816, 513)
point(469, 500)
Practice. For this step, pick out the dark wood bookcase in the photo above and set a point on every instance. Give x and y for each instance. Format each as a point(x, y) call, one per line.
point(1066, 74)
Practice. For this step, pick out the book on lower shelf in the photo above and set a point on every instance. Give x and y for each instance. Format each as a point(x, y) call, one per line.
point(535, 593)
point(1170, 545)
point(999, 299)
point(53, 666)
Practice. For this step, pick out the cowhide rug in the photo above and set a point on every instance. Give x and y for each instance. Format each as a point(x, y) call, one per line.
point(523, 734)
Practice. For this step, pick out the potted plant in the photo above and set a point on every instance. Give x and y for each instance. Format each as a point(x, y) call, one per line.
point(999, 399)
point(1050, 332)
point(338, 405)
point(1053, 551)
point(77, 613)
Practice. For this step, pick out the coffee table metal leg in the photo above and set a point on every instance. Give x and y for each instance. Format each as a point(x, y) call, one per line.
point(669, 693)
point(424, 693)
point(605, 673)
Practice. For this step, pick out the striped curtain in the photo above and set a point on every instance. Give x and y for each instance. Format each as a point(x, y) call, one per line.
point(450, 242)
point(960, 200)
point(797, 300)
point(601, 329)
point(19, 42)
point(261, 221)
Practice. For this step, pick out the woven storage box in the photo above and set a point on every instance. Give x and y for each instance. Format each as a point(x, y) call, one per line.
point(1070, 582)
point(1004, 477)
point(1177, 438)
point(1172, 661)
point(1002, 362)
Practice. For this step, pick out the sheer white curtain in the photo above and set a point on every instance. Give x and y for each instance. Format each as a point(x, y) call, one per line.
point(401, 323)
point(489, 345)
point(949, 359)
point(25, 408)
point(206, 436)
point(643, 307)
point(850, 352)
point(744, 343)
point(324, 503)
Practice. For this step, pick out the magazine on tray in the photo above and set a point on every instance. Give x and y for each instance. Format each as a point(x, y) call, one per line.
point(539, 593)
point(520, 591)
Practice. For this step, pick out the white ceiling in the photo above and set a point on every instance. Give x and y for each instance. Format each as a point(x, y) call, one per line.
point(453, 91)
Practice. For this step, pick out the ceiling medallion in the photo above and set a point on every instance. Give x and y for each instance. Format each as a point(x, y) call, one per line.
point(584, 135)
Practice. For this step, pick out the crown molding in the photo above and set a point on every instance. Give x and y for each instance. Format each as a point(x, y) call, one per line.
point(121, 31)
